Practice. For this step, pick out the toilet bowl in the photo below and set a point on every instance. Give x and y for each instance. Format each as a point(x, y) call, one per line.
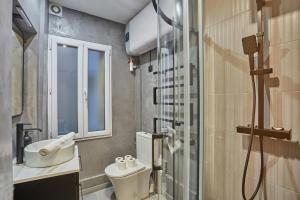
point(133, 183)
point(129, 184)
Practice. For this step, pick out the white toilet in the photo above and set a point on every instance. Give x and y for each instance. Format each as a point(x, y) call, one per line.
point(133, 183)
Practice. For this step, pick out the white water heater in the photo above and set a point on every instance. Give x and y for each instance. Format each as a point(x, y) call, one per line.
point(141, 31)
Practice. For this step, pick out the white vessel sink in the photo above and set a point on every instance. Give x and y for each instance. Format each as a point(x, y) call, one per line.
point(34, 159)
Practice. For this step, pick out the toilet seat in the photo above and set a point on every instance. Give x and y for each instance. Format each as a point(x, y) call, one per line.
point(113, 171)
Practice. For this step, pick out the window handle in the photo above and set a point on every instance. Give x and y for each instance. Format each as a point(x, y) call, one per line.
point(85, 96)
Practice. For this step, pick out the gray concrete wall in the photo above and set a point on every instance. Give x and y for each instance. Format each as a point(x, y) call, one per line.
point(35, 73)
point(6, 185)
point(145, 82)
point(42, 73)
point(97, 154)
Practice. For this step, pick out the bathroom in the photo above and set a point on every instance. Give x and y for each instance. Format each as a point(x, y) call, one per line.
point(150, 99)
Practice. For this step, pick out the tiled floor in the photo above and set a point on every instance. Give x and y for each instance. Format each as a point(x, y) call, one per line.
point(107, 194)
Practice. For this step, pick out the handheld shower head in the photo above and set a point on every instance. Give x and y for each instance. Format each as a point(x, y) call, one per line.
point(250, 48)
point(250, 45)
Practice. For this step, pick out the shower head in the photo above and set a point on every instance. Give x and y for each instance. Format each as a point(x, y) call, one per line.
point(250, 47)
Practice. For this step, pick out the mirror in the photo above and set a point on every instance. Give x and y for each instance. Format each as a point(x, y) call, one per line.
point(17, 72)
point(22, 33)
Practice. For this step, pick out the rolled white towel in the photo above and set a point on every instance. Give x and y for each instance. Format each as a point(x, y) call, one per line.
point(56, 144)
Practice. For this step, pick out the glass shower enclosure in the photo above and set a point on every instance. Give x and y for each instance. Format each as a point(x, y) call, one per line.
point(179, 90)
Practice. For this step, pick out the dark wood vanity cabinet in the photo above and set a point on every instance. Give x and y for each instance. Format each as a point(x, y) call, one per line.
point(64, 187)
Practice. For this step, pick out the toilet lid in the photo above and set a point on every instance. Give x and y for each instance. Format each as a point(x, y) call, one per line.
point(112, 170)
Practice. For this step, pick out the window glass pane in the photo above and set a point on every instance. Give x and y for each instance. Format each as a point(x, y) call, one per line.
point(67, 89)
point(96, 90)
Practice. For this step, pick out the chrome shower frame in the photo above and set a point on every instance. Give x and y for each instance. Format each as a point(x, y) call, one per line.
point(184, 129)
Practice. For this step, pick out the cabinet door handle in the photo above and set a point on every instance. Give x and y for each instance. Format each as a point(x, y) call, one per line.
point(80, 163)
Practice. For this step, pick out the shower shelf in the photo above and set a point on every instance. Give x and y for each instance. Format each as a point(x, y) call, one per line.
point(272, 133)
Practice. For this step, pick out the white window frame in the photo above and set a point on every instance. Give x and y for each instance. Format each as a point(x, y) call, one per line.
point(108, 118)
point(83, 48)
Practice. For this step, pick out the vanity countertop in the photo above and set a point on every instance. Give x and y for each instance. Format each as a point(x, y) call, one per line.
point(22, 173)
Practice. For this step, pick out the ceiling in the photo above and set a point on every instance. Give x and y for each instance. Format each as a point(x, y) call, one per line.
point(116, 10)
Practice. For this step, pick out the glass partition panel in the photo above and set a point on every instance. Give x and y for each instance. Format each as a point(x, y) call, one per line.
point(179, 111)
point(171, 109)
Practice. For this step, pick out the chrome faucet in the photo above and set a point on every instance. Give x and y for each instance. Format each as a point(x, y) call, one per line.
point(20, 140)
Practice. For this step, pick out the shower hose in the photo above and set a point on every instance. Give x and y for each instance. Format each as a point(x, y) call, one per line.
point(250, 147)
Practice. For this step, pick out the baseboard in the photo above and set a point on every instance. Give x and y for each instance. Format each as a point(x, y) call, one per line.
point(94, 183)
point(96, 188)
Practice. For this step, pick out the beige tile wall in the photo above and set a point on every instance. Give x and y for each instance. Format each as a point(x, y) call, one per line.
point(228, 99)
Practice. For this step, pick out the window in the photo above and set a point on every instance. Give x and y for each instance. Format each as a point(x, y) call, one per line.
point(79, 97)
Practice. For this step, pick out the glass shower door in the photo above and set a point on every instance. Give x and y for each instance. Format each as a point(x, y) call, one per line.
point(178, 61)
